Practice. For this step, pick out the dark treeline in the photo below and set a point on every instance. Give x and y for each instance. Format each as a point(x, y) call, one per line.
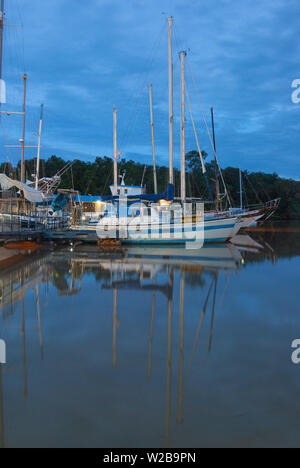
point(94, 178)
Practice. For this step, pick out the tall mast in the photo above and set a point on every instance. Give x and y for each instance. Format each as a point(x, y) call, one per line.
point(115, 324)
point(169, 372)
point(115, 153)
point(241, 189)
point(181, 347)
point(39, 149)
point(171, 171)
point(182, 125)
point(215, 159)
point(22, 141)
point(23, 333)
point(152, 137)
point(1, 37)
point(2, 84)
point(38, 304)
point(151, 332)
point(213, 312)
point(2, 438)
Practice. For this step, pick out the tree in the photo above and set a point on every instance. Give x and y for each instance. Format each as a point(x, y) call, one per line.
point(94, 178)
point(193, 161)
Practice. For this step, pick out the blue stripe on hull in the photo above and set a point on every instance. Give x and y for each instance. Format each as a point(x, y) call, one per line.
point(168, 241)
point(180, 230)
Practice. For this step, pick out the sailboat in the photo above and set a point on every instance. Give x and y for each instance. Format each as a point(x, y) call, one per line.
point(156, 219)
point(27, 207)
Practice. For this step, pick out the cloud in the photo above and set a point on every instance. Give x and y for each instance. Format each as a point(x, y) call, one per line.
point(84, 57)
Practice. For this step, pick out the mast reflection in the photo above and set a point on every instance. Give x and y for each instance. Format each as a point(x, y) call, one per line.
point(2, 433)
point(166, 273)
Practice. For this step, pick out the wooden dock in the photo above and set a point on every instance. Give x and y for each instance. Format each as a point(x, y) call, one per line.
point(20, 236)
point(70, 235)
point(15, 228)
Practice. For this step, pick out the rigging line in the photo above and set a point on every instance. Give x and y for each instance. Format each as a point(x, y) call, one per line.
point(255, 192)
point(129, 128)
point(202, 190)
point(108, 178)
point(264, 190)
point(133, 122)
point(88, 186)
point(189, 185)
point(5, 136)
point(199, 150)
point(245, 195)
point(72, 178)
point(12, 49)
point(223, 294)
point(207, 187)
point(196, 339)
point(195, 132)
point(209, 134)
point(22, 33)
point(213, 312)
point(177, 40)
point(144, 173)
point(205, 121)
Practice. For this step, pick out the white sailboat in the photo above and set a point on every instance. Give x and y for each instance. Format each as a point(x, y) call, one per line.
point(142, 228)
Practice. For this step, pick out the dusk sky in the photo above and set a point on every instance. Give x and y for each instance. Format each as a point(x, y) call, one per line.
point(84, 57)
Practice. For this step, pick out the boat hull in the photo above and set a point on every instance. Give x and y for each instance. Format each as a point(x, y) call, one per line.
point(210, 231)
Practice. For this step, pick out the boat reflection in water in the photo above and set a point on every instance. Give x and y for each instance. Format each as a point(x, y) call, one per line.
point(208, 259)
point(160, 271)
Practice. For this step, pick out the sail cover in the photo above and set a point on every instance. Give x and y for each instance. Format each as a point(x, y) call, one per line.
point(32, 195)
point(167, 195)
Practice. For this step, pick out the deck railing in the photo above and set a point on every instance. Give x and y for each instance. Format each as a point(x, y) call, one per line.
point(23, 223)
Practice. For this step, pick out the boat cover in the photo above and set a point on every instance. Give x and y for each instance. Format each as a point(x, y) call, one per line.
point(167, 195)
point(32, 195)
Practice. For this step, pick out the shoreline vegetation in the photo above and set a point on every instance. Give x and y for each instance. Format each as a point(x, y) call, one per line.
point(94, 178)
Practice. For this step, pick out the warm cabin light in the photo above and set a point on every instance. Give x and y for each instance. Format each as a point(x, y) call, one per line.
point(164, 203)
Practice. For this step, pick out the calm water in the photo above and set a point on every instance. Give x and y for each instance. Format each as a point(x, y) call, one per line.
point(155, 349)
